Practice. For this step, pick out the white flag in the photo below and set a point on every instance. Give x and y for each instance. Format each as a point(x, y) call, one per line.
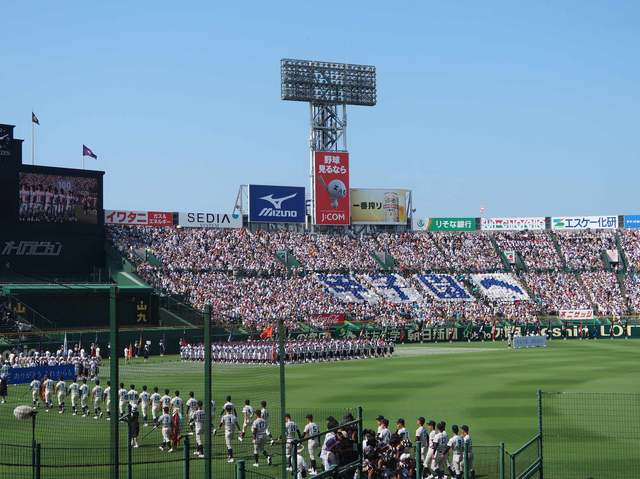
point(65, 344)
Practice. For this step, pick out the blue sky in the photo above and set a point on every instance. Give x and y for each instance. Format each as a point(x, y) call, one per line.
point(530, 107)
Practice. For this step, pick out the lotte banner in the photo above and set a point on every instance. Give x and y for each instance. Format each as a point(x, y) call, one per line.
point(331, 170)
point(330, 318)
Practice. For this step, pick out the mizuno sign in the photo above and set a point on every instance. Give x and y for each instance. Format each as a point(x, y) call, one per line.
point(276, 204)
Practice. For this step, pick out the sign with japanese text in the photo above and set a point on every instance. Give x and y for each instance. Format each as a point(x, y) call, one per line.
point(330, 318)
point(444, 224)
point(331, 170)
point(378, 207)
point(576, 314)
point(497, 224)
point(632, 221)
point(276, 204)
point(584, 222)
point(511, 256)
point(141, 218)
point(25, 375)
point(209, 220)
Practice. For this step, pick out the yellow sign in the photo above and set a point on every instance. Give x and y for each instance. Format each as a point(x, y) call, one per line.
point(378, 206)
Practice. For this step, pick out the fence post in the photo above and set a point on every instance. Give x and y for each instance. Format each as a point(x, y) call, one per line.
point(113, 376)
point(466, 460)
point(129, 455)
point(360, 450)
point(418, 459)
point(36, 462)
point(513, 466)
point(540, 432)
point(283, 405)
point(208, 436)
point(240, 474)
point(187, 451)
point(294, 458)
point(502, 460)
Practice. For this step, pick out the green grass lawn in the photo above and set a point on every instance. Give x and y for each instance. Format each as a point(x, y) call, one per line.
point(483, 385)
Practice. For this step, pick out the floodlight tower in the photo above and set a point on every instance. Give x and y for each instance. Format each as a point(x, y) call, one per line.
point(327, 87)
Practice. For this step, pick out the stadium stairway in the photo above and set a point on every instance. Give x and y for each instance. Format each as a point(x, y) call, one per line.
point(586, 292)
point(623, 291)
point(559, 251)
point(501, 255)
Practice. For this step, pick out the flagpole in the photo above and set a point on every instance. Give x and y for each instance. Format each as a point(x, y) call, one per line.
point(83, 155)
point(32, 136)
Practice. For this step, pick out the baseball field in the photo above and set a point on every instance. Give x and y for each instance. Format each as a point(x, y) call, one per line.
point(483, 385)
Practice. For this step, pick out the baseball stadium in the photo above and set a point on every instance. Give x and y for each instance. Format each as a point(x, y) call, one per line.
point(320, 331)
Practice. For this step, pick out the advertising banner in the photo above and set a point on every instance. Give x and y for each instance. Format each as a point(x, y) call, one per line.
point(209, 220)
point(331, 171)
point(613, 255)
point(512, 224)
point(25, 375)
point(576, 314)
point(444, 224)
point(142, 218)
point(529, 341)
point(378, 207)
point(584, 222)
point(632, 221)
point(276, 204)
point(511, 256)
point(330, 318)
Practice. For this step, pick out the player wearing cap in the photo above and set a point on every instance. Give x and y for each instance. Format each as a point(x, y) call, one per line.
point(439, 448)
point(165, 421)
point(197, 419)
point(265, 416)
point(422, 435)
point(34, 387)
point(247, 411)
point(176, 403)
point(107, 400)
point(402, 431)
point(133, 397)
point(380, 418)
point(155, 400)
point(385, 433)
point(122, 399)
point(144, 404)
point(74, 393)
point(230, 423)
point(290, 430)
point(84, 397)
point(311, 429)
point(96, 395)
point(61, 391)
point(228, 403)
point(48, 392)
point(192, 407)
point(467, 440)
point(455, 446)
point(430, 452)
point(259, 431)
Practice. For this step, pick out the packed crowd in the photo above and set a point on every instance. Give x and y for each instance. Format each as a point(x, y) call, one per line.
point(584, 250)
point(536, 248)
point(200, 265)
point(632, 285)
point(556, 291)
point(630, 242)
point(605, 292)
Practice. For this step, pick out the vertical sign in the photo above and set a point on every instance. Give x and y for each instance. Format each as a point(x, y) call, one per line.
point(331, 171)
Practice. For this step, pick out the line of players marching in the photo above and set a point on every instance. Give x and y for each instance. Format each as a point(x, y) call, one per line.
point(296, 351)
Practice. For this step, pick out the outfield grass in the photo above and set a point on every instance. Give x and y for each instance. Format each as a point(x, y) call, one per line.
point(483, 385)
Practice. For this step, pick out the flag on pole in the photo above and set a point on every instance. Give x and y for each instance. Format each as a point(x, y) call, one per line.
point(80, 343)
point(252, 330)
point(549, 331)
point(64, 345)
point(184, 340)
point(626, 328)
point(611, 329)
point(230, 338)
point(402, 333)
point(595, 332)
point(267, 333)
point(580, 328)
point(493, 331)
point(466, 330)
point(386, 332)
point(87, 152)
point(328, 330)
point(481, 208)
point(361, 335)
point(481, 332)
point(34, 118)
point(140, 344)
point(130, 351)
point(537, 328)
point(40, 347)
point(453, 327)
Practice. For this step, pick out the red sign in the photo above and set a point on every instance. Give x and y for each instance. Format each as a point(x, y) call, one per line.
point(576, 314)
point(142, 218)
point(331, 171)
point(330, 318)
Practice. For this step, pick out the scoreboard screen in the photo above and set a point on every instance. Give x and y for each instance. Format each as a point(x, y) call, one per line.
point(58, 199)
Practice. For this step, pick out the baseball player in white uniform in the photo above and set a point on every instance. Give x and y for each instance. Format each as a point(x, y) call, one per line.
point(467, 439)
point(290, 430)
point(34, 387)
point(259, 431)
point(107, 400)
point(61, 392)
point(311, 429)
point(439, 448)
point(455, 445)
point(154, 402)
point(230, 423)
point(197, 419)
point(247, 411)
point(422, 435)
point(165, 421)
point(74, 394)
point(84, 398)
point(96, 394)
point(144, 404)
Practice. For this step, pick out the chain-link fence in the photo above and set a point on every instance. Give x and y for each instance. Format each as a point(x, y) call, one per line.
point(590, 435)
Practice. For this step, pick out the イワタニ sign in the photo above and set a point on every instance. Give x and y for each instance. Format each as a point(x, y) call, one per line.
point(142, 218)
point(497, 224)
point(584, 222)
point(378, 206)
point(444, 224)
point(331, 171)
point(276, 204)
point(209, 220)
